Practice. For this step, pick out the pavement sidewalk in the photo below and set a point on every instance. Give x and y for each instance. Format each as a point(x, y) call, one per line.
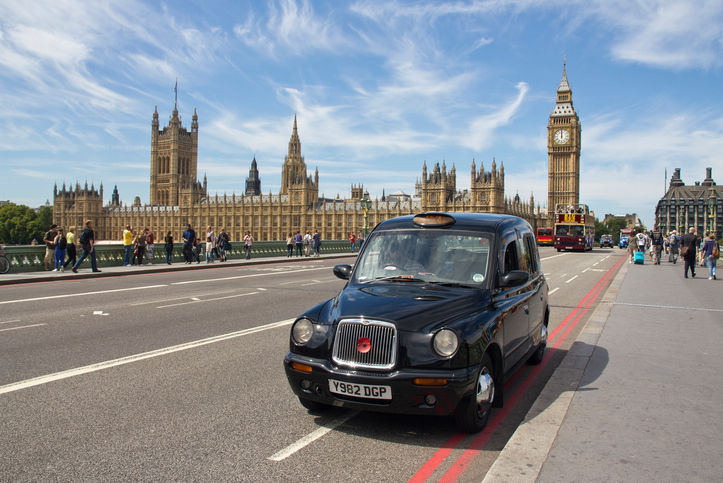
point(638, 396)
point(159, 267)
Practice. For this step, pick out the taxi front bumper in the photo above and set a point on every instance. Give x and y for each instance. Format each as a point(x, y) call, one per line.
point(406, 396)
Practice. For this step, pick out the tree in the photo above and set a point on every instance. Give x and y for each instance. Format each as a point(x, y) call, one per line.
point(20, 224)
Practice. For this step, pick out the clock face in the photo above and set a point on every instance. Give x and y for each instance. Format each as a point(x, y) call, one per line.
point(562, 136)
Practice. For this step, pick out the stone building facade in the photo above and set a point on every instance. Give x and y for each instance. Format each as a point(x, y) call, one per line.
point(685, 206)
point(177, 197)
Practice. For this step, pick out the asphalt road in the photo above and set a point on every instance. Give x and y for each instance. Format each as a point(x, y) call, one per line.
point(178, 377)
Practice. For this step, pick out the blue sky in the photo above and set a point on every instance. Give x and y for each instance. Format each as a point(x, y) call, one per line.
point(378, 87)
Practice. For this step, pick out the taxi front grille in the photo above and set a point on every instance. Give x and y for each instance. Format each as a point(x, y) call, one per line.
point(382, 353)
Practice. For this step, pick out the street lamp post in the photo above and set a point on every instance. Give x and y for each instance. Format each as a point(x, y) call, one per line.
point(366, 205)
point(712, 199)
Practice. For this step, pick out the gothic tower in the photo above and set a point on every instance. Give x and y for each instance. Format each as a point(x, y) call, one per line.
point(563, 149)
point(439, 188)
point(174, 160)
point(253, 182)
point(301, 189)
point(487, 190)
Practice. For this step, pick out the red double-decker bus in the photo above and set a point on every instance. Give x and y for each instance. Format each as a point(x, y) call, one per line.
point(544, 236)
point(574, 228)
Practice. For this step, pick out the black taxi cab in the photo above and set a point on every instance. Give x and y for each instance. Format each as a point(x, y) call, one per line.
point(437, 309)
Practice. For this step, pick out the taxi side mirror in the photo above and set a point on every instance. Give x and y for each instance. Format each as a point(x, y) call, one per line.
point(513, 278)
point(342, 271)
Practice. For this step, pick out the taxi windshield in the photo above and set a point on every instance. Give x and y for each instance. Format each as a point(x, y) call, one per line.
point(434, 256)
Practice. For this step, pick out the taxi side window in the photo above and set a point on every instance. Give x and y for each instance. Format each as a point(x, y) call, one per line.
point(533, 263)
point(510, 260)
point(524, 252)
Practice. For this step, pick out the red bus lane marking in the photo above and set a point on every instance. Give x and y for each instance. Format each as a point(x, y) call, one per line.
point(459, 466)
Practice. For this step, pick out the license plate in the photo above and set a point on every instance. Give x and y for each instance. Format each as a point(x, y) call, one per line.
point(360, 390)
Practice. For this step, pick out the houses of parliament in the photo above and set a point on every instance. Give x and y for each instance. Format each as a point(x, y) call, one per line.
point(177, 197)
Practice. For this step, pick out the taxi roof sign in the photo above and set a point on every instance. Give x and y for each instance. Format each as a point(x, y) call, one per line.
point(436, 220)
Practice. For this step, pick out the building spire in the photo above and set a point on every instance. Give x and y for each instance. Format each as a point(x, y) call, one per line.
point(564, 86)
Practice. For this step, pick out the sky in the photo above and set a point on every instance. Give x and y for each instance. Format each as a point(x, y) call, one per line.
point(378, 88)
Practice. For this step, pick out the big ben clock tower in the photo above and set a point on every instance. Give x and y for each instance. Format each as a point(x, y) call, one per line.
point(563, 150)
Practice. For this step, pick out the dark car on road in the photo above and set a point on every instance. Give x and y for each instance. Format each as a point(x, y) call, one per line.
point(437, 309)
point(606, 241)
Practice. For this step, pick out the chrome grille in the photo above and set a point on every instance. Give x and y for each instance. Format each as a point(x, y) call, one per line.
point(383, 338)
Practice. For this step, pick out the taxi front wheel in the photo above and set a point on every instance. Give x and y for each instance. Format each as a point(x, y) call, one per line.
point(472, 414)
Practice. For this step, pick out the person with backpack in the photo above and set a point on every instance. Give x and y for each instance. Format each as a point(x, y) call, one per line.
point(307, 244)
point(150, 245)
point(674, 244)
point(189, 241)
point(49, 240)
point(87, 242)
point(642, 240)
point(711, 252)
point(657, 241)
point(223, 245)
point(142, 246)
point(60, 244)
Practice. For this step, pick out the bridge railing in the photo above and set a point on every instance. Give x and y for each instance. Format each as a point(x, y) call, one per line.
point(29, 258)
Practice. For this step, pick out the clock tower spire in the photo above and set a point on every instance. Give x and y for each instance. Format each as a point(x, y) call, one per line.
point(563, 149)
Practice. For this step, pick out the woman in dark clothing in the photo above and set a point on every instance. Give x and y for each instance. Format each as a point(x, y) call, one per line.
point(690, 241)
point(169, 247)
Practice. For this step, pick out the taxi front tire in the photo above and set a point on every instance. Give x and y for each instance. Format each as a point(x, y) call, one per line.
point(473, 413)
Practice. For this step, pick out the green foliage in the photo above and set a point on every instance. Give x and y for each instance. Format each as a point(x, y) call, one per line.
point(612, 227)
point(20, 224)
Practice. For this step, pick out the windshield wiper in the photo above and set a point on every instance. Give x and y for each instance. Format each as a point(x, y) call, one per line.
point(454, 284)
point(398, 278)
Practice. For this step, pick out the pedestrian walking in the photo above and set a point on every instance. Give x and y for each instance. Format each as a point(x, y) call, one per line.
point(209, 250)
point(212, 236)
point(674, 244)
point(150, 240)
point(71, 251)
point(197, 250)
point(248, 244)
point(189, 239)
point(316, 243)
point(290, 241)
point(657, 243)
point(168, 240)
point(87, 244)
point(223, 244)
point(142, 246)
point(711, 252)
point(307, 244)
point(632, 247)
point(352, 240)
point(299, 243)
point(60, 244)
point(688, 250)
point(127, 245)
point(49, 240)
point(360, 239)
point(641, 240)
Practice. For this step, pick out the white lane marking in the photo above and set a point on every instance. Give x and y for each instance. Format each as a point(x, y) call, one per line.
point(573, 278)
point(196, 301)
point(80, 294)
point(664, 307)
point(586, 270)
point(553, 291)
point(560, 255)
point(184, 297)
point(16, 386)
point(23, 327)
point(547, 275)
point(563, 275)
point(311, 437)
point(262, 289)
point(9, 321)
point(596, 263)
point(99, 312)
point(249, 276)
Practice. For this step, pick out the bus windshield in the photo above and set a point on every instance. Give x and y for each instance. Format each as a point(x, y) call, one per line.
point(570, 230)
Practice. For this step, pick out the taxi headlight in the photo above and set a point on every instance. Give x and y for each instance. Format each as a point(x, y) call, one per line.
point(445, 342)
point(302, 331)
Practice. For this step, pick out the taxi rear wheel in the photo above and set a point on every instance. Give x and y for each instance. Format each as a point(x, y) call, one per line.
point(313, 406)
point(472, 415)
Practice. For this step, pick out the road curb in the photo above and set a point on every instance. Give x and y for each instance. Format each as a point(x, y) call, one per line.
point(524, 454)
point(85, 273)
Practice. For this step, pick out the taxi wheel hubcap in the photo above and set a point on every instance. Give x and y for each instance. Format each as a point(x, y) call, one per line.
point(485, 391)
